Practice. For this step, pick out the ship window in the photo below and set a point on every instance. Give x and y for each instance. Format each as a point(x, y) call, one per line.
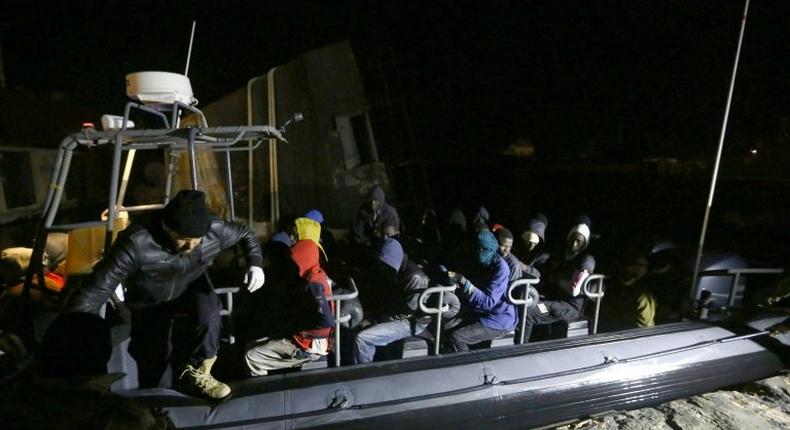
point(17, 179)
point(359, 147)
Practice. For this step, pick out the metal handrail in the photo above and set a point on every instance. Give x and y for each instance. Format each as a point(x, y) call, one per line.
point(736, 276)
point(228, 310)
point(338, 298)
point(596, 295)
point(527, 300)
point(442, 307)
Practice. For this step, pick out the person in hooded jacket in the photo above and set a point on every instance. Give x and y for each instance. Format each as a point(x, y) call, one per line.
point(371, 216)
point(403, 281)
point(485, 293)
point(312, 324)
point(162, 265)
point(566, 301)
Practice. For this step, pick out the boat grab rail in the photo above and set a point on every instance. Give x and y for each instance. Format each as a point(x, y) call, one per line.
point(529, 299)
point(595, 295)
point(438, 310)
point(736, 276)
point(340, 319)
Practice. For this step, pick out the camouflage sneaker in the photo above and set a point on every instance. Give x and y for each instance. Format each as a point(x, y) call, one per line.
point(197, 382)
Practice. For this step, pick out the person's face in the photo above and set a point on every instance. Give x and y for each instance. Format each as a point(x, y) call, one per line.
point(184, 244)
point(504, 246)
point(576, 242)
point(375, 204)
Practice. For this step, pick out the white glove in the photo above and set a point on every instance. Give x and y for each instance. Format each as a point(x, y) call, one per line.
point(254, 278)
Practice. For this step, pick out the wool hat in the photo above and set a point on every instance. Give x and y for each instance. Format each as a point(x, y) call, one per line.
point(281, 237)
point(391, 253)
point(315, 215)
point(187, 214)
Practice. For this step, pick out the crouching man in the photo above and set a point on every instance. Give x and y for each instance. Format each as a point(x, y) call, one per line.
point(162, 265)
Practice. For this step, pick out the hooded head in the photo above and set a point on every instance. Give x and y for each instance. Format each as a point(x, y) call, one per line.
point(391, 253)
point(315, 215)
point(309, 229)
point(305, 254)
point(376, 198)
point(578, 238)
point(187, 214)
point(488, 247)
point(538, 226)
point(458, 219)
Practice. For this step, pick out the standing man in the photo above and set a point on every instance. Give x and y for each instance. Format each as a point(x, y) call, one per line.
point(162, 265)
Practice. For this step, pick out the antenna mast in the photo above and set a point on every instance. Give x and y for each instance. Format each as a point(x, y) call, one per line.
point(695, 275)
point(189, 52)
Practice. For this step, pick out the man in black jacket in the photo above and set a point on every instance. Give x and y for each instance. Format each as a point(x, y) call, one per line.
point(399, 286)
point(162, 265)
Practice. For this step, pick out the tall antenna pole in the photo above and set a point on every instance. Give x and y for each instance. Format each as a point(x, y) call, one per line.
point(189, 52)
point(695, 276)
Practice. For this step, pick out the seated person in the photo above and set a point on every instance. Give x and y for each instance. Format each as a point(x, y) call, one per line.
point(371, 216)
point(312, 324)
point(566, 301)
point(401, 283)
point(492, 315)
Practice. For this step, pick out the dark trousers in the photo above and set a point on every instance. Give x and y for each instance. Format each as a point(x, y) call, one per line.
point(176, 333)
point(555, 310)
point(469, 334)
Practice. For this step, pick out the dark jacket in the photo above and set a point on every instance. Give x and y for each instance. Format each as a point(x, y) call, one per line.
point(368, 223)
point(413, 282)
point(143, 258)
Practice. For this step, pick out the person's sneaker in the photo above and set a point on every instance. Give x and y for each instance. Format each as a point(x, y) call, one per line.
point(198, 382)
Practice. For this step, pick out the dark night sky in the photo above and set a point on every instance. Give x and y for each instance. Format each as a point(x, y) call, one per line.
point(482, 73)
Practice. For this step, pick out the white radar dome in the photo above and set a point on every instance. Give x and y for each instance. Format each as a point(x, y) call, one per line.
point(159, 87)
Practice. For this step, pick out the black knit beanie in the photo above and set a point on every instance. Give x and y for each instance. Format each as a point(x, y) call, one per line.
point(187, 214)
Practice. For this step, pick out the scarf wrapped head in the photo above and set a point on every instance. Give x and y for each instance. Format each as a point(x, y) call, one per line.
point(488, 247)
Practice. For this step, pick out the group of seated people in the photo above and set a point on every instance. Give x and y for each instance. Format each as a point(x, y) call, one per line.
point(392, 273)
point(162, 263)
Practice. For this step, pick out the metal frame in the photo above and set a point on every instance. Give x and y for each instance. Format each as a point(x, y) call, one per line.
point(340, 319)
point(174, 140)
point(437, 310)
point(736, 276)
point(596, 295)
point(527, 300)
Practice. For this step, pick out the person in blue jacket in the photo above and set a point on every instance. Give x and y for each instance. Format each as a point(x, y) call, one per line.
point(492, 315)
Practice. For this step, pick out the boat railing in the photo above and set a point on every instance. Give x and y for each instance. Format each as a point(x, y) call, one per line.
point(736, 277)
point(529, 298)
point(340, 319)
point(440, 308)
point(227, 309)
point(595, 292)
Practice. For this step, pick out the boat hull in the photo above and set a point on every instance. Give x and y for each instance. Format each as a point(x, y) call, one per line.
point(522, 386)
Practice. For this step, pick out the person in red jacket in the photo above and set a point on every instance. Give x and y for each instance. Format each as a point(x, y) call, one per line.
point(313, 321)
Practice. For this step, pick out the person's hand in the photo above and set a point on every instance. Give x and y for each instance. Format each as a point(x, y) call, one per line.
point(254, 278)
point(456, 278)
